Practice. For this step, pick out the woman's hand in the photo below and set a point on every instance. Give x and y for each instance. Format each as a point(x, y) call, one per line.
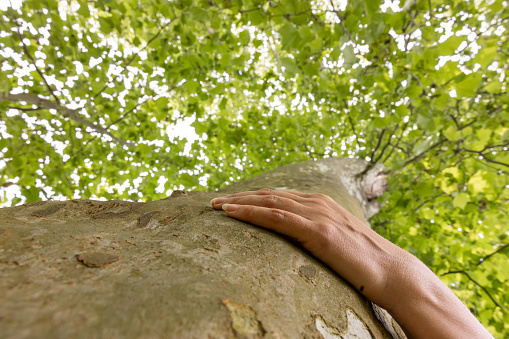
point(387, 275)
point(324, 228)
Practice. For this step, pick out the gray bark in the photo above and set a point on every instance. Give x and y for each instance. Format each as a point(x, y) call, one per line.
point(176, 268)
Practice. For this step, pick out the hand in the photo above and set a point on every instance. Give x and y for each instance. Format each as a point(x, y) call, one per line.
point(324, 228)
point(386, 274)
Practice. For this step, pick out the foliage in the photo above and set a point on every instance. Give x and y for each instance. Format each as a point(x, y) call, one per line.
point(93, 92)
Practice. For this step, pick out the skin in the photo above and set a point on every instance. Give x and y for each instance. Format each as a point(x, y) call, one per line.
point(386, 274)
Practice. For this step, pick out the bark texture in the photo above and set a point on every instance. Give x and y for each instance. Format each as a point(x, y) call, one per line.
point(176, 268)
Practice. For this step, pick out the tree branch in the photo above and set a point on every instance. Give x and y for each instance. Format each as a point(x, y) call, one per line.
point(25, 109)
point(253, 9)
point(70, 113)
point(397, 142)
point(420, 155)
point(83, 147)
point(486, 158)
point(351, 122)
point(25, 49)
point(380, 137)
point(341, 20)
point(475, 282)
point(384, 148)
point(134, 57)
point(372, 160)
point(501, 249)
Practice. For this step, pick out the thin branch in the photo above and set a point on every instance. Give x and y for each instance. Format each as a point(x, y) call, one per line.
point(475, 282)
point(487, 165)
point(25, 49)
point(486, 148)
point(341, 20)
point(485, 157)
point(351, 122)
point(380, 138)
point(83, 147)
point(25, 109)
point(253, 9)
point(420, 155)
point(495, 162)
point(384, 148)
point(372, 160)
point(70, 135)
point(71, 114)
point(397, 142)
point(308, 151)
point(134, 57)
point(501, 249)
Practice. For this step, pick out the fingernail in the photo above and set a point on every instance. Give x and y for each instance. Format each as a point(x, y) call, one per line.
point(217, 201)
point(230, 207)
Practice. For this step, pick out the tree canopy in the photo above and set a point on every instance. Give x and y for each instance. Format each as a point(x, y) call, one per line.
point(95, 94)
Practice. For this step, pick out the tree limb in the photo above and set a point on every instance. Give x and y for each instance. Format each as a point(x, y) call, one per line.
point(475, 282)
point(372, 160)
point(134, 56)
point(485, 157)
point(501, 249)
point(397, 142)
point(351, 122)
point(380, 137)
point(420, 155)
point(32, 60)
point(341, 20)
point(70, 113)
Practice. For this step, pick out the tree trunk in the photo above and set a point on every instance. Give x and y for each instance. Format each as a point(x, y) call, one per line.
point(176, 268)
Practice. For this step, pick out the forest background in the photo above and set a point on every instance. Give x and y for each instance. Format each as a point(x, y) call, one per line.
point(131, 99)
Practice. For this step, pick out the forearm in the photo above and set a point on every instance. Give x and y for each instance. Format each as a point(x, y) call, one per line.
point(397, 281)
point(427, 308)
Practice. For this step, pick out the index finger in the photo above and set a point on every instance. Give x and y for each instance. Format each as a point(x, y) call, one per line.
point(281, 221)
point(297, 196)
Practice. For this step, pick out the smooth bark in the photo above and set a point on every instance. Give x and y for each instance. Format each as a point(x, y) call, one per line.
point(176, 268)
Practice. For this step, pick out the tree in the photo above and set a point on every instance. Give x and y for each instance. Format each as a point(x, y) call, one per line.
point(176, 267)
point(89, 88)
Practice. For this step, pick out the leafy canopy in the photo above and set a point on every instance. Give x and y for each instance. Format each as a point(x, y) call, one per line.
point(95, 96)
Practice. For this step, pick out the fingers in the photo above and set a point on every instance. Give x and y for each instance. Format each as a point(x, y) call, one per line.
point(314, 200)
point(308, 199)
point(267, 191)
point(275, 219)
point(301, 216)
point(268, 201)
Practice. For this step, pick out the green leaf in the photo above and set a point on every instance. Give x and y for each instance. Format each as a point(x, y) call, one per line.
point(349, 56)
point(450, 45)
point(290, 65)
point(461, 200)
point(468, 86)
point(486, 56)
point(84, 10)
point(478, 182)
point(372, 6)
point(452, 133)
point(414, 91)
point(290, 36)
point(493, 87)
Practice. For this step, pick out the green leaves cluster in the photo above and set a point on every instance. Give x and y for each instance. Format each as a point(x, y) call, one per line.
point(92, 91)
